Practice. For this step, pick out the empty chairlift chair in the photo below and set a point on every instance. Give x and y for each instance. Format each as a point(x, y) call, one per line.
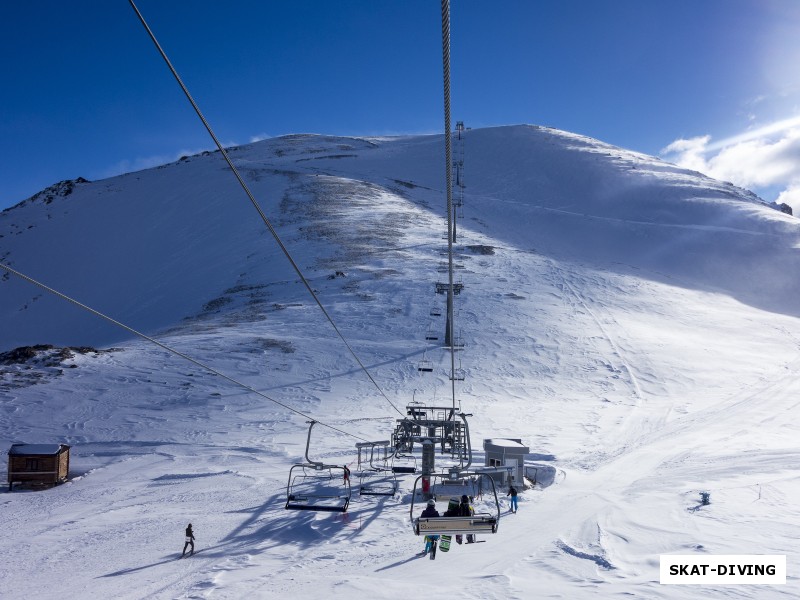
point(377, 477)
point(316, 486)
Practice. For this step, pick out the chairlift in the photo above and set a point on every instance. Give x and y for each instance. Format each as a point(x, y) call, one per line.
point(458, 342)
point(377, 483)
point(442, 287)
point(486, 518)
point(436, 311)
point(404, 463)
point(458, 375)
point(316, 486)
point(444, 267)
point(445, 489)
point(376, 478)
point(425, 365)
point(381, 463)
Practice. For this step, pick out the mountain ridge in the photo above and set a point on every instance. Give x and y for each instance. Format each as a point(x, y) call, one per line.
point(553, 180)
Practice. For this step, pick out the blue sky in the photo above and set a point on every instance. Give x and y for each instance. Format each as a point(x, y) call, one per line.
point(700, 82)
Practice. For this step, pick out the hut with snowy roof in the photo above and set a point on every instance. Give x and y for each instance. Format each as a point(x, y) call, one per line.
point(508, 454)
point(38, 464)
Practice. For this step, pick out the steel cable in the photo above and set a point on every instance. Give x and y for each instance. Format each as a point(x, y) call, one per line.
point(167, 348)
point(256, 206)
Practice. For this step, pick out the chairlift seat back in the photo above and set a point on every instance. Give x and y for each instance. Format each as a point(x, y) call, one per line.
point(485, 523)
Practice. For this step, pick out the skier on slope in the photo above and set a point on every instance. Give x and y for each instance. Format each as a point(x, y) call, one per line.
point(189, 541)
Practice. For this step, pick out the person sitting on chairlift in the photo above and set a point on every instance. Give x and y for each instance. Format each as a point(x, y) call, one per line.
point(465, 510)
point(430, 511)
point(453, 508)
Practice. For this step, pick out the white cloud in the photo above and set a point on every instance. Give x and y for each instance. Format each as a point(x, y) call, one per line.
point(689, 154)
point(767, 157)
point(791, 196)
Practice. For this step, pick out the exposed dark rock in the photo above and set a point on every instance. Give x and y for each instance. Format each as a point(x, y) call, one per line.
point(480, 249)
point(62, 189)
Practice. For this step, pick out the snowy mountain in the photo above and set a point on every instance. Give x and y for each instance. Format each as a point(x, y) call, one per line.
point(634, 323)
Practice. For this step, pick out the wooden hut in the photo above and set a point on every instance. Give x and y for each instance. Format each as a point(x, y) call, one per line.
point(38, 463)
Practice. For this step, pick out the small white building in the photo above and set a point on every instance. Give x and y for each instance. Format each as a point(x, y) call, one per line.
point(509, 453)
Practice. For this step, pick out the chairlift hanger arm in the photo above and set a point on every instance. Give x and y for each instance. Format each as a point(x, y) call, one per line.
point(308, 441)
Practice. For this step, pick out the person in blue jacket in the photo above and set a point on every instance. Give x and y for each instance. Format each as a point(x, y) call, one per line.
point(512, 491)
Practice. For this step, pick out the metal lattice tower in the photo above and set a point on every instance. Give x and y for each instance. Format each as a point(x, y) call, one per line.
point(458, 175)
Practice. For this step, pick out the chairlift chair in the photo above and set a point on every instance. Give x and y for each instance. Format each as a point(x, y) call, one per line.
point(377, 483)
point(376, 479)
point(404, 463)
point(316, 486)
point(458, 374)
point(425, 365)
point(485, 521)
point(444, 489)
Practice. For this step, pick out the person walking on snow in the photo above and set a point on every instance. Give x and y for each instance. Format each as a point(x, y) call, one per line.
point(430, 511)
point(189, 541)
point(346, 474)
point(512, 491)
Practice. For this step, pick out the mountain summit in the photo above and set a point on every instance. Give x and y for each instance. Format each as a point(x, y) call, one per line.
point(155, 247)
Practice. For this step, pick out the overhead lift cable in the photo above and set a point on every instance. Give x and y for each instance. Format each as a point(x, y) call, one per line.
point(168, 349)
point(255, 203)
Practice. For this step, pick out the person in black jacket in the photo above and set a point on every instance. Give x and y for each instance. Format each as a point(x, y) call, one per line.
point(430, 511)
point(453, 508)
point(465, 510)
point(189, 541)
point(512, 491)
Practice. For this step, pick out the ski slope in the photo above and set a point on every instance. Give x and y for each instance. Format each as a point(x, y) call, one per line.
point(634, 323)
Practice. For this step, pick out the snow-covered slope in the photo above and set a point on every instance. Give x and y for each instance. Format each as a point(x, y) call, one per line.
point(157, 246)
point(634, 323)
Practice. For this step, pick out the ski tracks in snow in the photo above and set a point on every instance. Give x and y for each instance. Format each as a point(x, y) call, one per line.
point(571, 295)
